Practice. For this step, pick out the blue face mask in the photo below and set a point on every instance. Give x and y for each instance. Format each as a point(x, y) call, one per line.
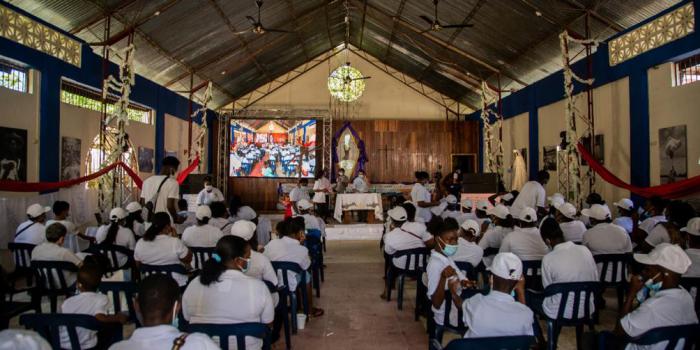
point(449, 249)
point(247, 265)
point(649, 290)
point(176, 320)
point(512, 293)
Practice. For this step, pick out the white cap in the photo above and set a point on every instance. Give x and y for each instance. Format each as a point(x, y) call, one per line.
point(36, 210)
point(568, 210)
point(597, 211)
point(499, 211)
point(118, 214)
point(244, 229)
point(555, 196)
point(437, 210)
point(203, 211)
point(625, 203)
point(692, 227)
point(470, 224)
point(304, 204)
point(556, 202)
point(246, 213)
point(451, 199)
point(22, 339)
point(467, 204)
point(482, 205)
point(133, 207)
point(528, 215)
point(507, 266)
point(398, 213)
point(506, 197)
point(668, 256)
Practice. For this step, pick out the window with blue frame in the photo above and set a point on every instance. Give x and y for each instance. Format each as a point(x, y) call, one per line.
point(13, 77)
point(686, 71)
point(76, 95)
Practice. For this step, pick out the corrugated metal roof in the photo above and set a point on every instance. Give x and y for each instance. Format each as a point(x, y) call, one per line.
point(516, 38)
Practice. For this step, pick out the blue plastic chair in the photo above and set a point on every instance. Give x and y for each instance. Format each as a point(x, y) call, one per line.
point(48, 325)
point(690, 284)
point(146, 269)
point(532, 270)
point(315, 246)
point(583, 293)
point(468, 269)
point(460, 328)
point(200, 255)
point(281, 310)
point(416, 262)
point(129, 291)
point(112, 252)
point(505, 343)
point(22, 253)
point(673, 334)
point(239, 330)
point(616, 266)
point(51, 280)
point(282, 268)
point(9, 308)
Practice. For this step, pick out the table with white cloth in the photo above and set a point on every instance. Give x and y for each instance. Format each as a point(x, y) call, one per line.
point(358, 201)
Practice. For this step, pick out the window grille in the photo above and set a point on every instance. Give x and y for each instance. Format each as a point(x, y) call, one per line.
point(686, 71)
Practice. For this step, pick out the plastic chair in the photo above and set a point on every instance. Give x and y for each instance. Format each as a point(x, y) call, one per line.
point(506, 343)
point(113, 252)
point(52, 281)
point(117, 288)
point(283, 268)
point(238, 330)
point(673, 334)
point(146, 269)
point(48, 325)
point(9, 308)
point(468, 269)
point(616, 266)
point(583, 293)
point(416, 261)
point(460, 328)
point(692, 284)
point(281, 310)
point(22, 254)
point(200, 255)
point(315, 246)
point(532, 270)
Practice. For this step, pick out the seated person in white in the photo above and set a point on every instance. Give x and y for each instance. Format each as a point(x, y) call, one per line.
point(360, 182)
point(209, 194)
point(263, 230)
point(662, 301)
point(499, 314)
point(188, 217)
point(224, 294)
point(415, 227)
point(443, 275)
point(399, 239)
point(202, 235)
point(160, 246)
point(566, 217)
point(61, 212)
point(311, 221)
point(134, 220)
point(89, 302)
point(482, 215)
point(289, 247)
point(158, 303)
point(592, 199)
point(654, 214)
point(625, 208)
point(502, 225)
point(468, 250)
point(301, 191)
point(693, 251)
point(466, 213)
point(116, 234)
point(219, 216)
point(52, 250)
point(453, 208)
point(525, 241)
point(22, 339)
point(567, 262)
point(678, 213)
point(32, 230)
point(604, 237)
point(259, 265)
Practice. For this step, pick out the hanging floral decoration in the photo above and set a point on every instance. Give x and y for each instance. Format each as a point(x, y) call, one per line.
point(493, 147)
point(200, 139)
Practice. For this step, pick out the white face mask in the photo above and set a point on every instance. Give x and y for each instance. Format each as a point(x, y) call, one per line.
point(208, 188)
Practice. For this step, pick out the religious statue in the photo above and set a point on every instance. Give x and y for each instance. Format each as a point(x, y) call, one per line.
point(348, 151)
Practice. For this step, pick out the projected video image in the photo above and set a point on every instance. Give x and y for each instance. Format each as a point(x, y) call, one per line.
point(273, 148)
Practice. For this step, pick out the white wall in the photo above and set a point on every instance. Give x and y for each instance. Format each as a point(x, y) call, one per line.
point(176, 140)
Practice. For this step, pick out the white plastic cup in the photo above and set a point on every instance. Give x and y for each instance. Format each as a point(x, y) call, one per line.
point(301, 321)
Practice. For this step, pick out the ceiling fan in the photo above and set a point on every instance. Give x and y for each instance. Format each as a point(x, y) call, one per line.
point(435, 24)
point(257, 26)
point(347, 79)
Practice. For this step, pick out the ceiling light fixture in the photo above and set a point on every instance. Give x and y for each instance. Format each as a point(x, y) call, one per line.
point(538, 13)
point(223, 72)
point(157, 13)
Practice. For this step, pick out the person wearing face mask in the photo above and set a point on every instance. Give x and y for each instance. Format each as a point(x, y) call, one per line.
point(469, 251)
point(653, 214)
point(157, 304)
point(502, 312)
point(341, 181)
point(160, 193)
point(209, 194)
point(662, 302)
point(566, 217)
point(360, 182)
point(525, 241)
point(502, 226)
point(160, 246)
point(678, 213)
point(224, 294)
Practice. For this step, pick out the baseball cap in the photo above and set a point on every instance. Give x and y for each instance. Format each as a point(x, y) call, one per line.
point(528, 215)
point(246, 213)
point(118, 214)
point(556, 202)
point(555, 196)
point(203, 211)
point(482, 205)
point(304, 204)
point(397, 213)
point(692, 227)
point(506, 197)
point(467, 204)
point(451, 199)
point(500, 211)
point(568, 210)
point(437, 210)
point(597, 211)
point(668, 256)
point(470, 224)
point(36, 210)
point(624, 203)
point(133, 207)
point(243, 228)
point(507, 266)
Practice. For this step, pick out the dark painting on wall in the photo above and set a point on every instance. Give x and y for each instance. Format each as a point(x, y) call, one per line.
point(673, 154)
point(598, 148)
point(145, 160)
point(549, 158)
point(70, 158)
point(13, 154)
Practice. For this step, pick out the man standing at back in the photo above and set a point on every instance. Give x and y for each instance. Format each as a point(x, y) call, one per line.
point(160, 193)
point(532, 195)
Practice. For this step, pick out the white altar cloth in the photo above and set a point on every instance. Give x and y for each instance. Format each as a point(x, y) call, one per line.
point(371, 232)
point(358, 201)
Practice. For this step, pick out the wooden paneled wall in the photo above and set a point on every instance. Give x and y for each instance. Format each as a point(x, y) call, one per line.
point(412, 145)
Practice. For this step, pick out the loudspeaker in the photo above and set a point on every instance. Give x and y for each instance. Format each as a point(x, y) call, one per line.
point(480, 183)
point(193, 184)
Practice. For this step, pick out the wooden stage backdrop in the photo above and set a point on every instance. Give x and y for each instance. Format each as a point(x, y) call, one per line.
point(395, 148)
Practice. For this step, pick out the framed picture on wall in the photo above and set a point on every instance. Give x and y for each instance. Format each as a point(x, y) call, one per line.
point(146, 160)
point(549, 158)
point(70, 158)
point(13, 154)
point(673, 154)
point(598, 148)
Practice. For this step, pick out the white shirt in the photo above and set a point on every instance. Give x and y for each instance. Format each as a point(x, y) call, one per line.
point(573, 230)
point(397, 240)
point(532, 195)
point(298, 193)
point(49, 251)
point(170, 190)
point(190, 220)
point(492, 238)
point(455, 214)
point(320, 185)
point(417, 228)
point(86, 303)
point(526, 243)
point(421, 194)
point(205, 197)
point(606, 238)
point(260, 267)
point(496, 315)
point(288, 249)
point(70, 227)
point(311, 222)
point(468, 251)
point(205, 236)
point(436, 264)
point(71, 242)
point(649, 223)
point(36, 234)
point(360, 185)
point(624, 222)
point(124, 238)
point(658, 235)
point(139, 229)
point(162, 250)
point(694, 269)
point(462, 217)
point(223, 224)
point(567, 262)
point(236, 298)
point(668, 307)
point(161, 338)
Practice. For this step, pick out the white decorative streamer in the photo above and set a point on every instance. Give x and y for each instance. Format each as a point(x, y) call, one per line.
point(493, 147)
point(203, 128)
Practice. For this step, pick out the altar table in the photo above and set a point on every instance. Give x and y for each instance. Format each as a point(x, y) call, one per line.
point(358, 201)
